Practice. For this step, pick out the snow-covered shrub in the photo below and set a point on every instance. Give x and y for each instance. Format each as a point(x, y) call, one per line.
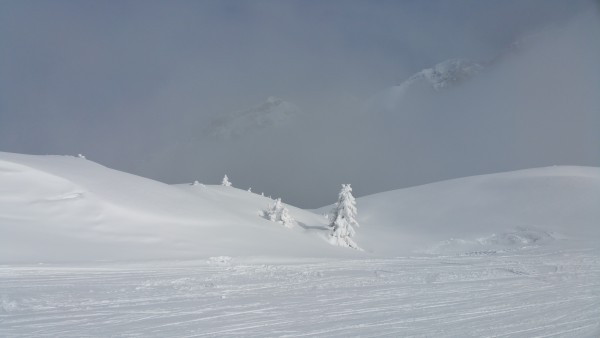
point(226, 182)
point(343, 219)
point(277, 212)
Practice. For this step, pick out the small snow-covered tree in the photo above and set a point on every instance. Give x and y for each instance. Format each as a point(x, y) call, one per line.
point(277, 212)
point(287, 220)
point(226, 182)
point(343, 219)
point(274, 210)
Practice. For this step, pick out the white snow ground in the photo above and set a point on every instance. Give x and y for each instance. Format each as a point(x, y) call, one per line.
point(536, 293)
point(90, 251)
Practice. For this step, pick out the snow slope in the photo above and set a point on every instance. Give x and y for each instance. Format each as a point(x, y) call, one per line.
point(488, 212)
point(504, 255)
point(64, 208)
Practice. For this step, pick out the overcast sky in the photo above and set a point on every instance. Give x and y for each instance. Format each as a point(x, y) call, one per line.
point(117, 79)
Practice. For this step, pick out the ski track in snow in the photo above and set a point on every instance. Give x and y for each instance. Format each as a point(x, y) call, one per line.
point(537, 293)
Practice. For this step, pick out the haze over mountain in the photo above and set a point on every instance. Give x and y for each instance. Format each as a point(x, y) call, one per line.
point(442, 76)
point(273, 113)
point(144, 94)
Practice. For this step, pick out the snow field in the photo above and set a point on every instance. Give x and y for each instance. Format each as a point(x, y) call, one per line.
point(534, 293)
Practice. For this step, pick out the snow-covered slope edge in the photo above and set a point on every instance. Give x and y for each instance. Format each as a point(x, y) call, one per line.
point(485, 213)
point(64, 208)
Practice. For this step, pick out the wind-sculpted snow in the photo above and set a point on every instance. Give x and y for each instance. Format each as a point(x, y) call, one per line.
point(533, 293)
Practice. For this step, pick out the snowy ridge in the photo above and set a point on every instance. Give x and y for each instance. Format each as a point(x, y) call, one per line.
point(273, 112)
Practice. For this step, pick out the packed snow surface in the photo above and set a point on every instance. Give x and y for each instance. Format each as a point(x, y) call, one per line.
point(535, 293)
point(90, 251)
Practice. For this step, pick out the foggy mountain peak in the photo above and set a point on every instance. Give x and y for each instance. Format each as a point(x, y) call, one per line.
point(145, 96)
point(272, 113)
point(441, 76)
point(445, 74)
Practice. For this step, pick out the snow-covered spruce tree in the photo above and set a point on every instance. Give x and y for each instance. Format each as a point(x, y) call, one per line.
point(343, 219)
point(226, 182)
point(278, 213)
